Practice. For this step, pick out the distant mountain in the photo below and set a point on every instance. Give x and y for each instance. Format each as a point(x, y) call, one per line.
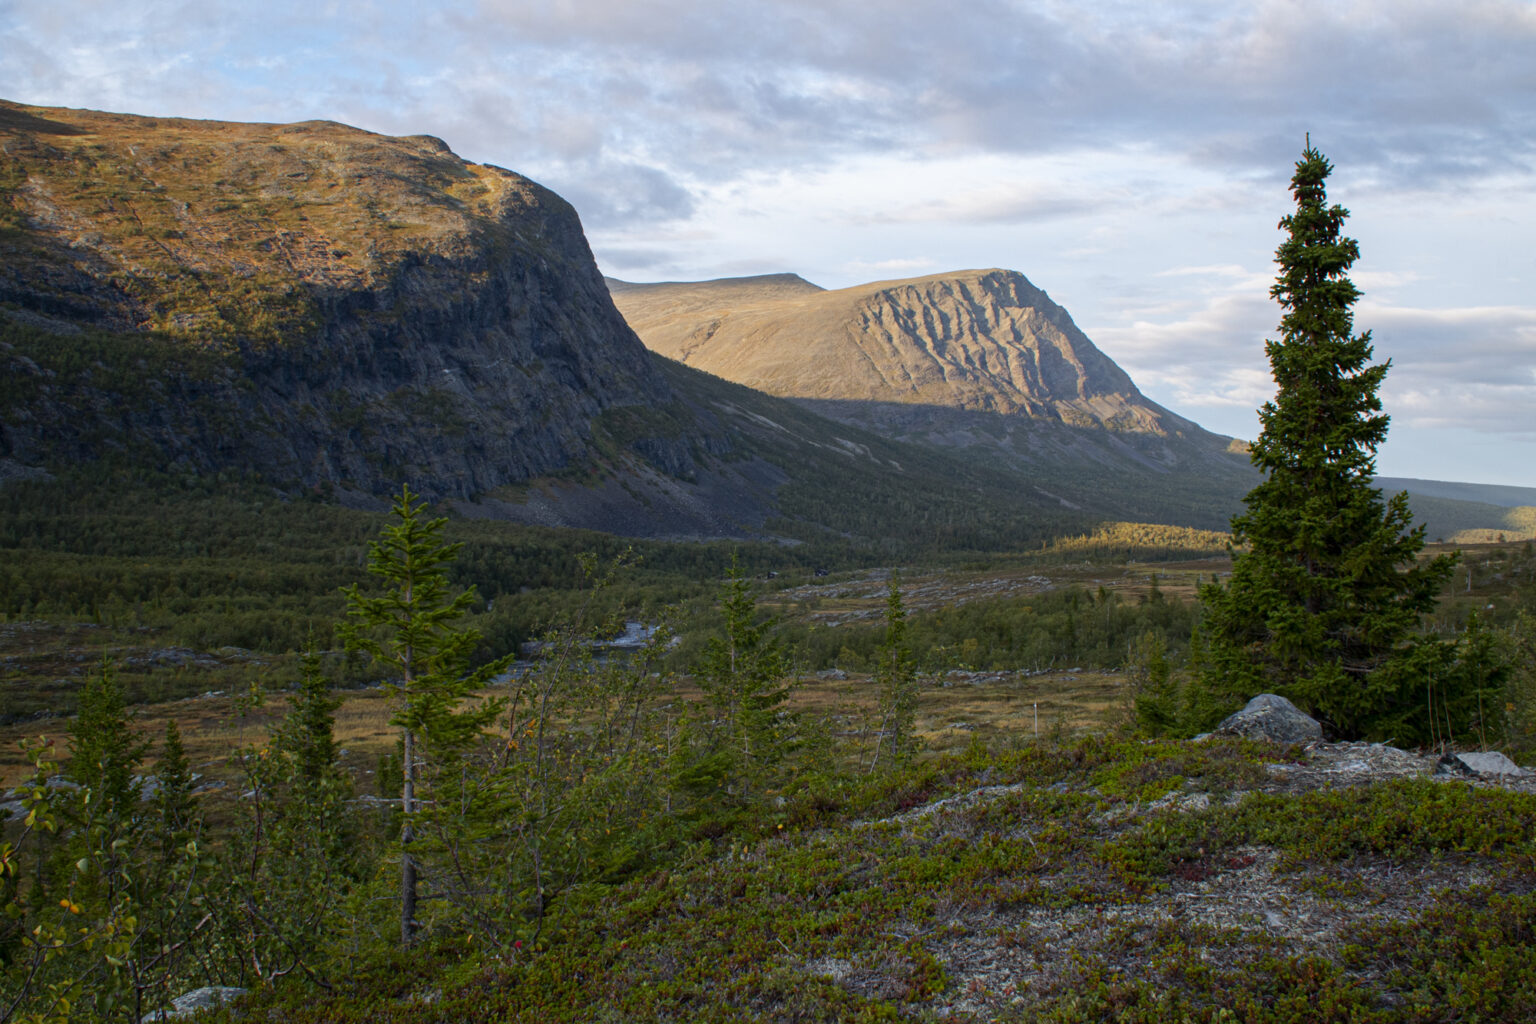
point(978, 361)
point(980, 340)
point(1502, 495)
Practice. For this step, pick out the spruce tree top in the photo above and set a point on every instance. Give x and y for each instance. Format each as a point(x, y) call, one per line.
point(1326, 417)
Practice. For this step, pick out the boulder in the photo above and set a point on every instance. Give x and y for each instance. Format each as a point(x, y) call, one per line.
point(1486, 763)
point(1270, 717)
point(190, 1003)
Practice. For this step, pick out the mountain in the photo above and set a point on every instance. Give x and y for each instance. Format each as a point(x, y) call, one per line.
point(294, 300)
point(331, 311)
point(980, 340)
point(327, 310)
point(1501, 495)
point(980, 362)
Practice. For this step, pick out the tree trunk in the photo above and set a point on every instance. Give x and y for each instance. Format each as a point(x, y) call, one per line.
point(408, 833)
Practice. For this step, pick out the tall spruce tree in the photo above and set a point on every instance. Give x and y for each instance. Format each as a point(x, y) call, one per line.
point(895, 679)
point(1326, 593)
point(413, 630)
point(105, 750)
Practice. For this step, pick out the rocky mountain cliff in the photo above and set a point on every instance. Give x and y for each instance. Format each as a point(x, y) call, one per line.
point(297, 301)
point(978, 361)
point(979, 340)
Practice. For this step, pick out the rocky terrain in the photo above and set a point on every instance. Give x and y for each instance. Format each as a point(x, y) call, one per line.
point(1249, 894)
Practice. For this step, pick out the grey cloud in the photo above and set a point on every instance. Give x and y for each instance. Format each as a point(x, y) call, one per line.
point(612, 194)
point(1008, 204)
point(1470, 368)
point(628, 259)
point(1490, 353)
point(1412, 92)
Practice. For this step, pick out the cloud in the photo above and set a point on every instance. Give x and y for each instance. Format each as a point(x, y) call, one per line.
point(1472, 368)
point(620, 259)
point(607, 192)
point(1415, 91)
point(1202, 352)
point(1007, 202)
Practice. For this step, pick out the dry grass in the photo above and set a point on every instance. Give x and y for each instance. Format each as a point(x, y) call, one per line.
point(951, 710)
point(219, 226)
point(861, 596)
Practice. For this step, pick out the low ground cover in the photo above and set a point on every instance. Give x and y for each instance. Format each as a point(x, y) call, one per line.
point(1082, 882)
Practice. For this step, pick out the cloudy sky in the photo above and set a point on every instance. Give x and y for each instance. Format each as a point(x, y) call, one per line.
point(1129, 157)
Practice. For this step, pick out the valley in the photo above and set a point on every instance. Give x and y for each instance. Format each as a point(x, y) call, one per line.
point(913, 741)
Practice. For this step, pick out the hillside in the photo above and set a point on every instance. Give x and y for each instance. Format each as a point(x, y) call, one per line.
point(985, 341)
point(298, 301)
point(1468, 513)
point(1100, 880)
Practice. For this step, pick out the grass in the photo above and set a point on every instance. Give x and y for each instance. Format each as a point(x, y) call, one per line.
point(952, 713)
point(228, 231)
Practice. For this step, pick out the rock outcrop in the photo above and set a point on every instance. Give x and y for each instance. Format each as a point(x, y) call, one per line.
point(1271, 717)
point(1483, 764)
point(192, 1003)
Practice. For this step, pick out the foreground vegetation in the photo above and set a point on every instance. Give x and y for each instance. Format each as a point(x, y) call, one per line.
point(610, 840)
point(1050, 896)
point(1071, 882)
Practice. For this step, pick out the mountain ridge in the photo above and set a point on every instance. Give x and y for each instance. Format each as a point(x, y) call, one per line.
point(980, 340)
point(337, 312)
point(975, 340)
point(333, 286)
point(978, 362)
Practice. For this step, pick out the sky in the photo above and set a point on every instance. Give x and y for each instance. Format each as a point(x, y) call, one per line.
point(1131, 158)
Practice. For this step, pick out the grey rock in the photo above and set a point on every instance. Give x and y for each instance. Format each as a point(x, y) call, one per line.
point(1271, 717)
point(192, 1002)
point(1483, 762)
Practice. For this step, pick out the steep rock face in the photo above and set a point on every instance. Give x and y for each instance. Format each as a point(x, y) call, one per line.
point(979, 341)
point(297, 300)
point(981, 364)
